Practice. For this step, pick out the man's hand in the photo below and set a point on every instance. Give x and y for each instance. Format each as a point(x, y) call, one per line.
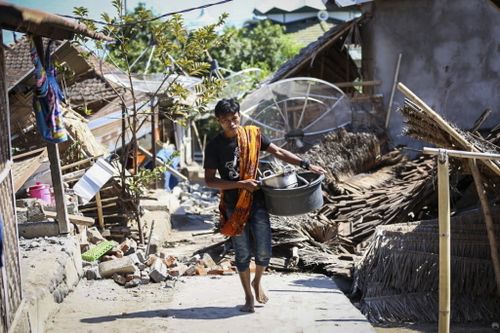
point(250, 185)
point(317, 169)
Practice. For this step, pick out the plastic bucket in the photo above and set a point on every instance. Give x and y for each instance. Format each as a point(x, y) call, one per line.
point(298, 200)
point(42, 192)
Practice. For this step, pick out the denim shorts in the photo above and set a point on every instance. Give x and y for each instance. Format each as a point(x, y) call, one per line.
point(255, 239)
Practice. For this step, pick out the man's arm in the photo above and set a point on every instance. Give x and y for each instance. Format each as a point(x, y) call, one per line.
point(214, 182)
point(291, 158)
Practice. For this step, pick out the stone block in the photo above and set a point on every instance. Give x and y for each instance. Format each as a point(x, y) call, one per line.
point(94, 236)
point(92, 273)
point(120, 279)
point(200, 270)
point(134, 258)
point(133, 283)
point(38, 229)
point(170, 261)
point(158, 271)
point(141, 255)
point(34, 210)
point(151, 260)
point(120, 265)
point(178, 270)
point(191, 270)
point(208, 261)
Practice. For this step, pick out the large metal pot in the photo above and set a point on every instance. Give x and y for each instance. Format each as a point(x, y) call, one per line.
point(285, 179)
point(298, 200)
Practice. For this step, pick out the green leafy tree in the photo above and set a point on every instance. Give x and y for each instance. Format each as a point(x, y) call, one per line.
point(263, 45)
point(178, 53)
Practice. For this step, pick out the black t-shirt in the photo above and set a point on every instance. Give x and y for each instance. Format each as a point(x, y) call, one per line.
point(222, 153)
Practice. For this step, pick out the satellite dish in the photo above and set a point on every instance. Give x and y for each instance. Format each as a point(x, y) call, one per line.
point(323, 15)
point(238, 84)
point(296, 113)
point(150, 83)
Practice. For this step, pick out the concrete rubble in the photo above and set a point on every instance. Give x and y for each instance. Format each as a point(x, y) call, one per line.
point(130, 264)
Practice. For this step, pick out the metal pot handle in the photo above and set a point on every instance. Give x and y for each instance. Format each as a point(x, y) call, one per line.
point(302, 179)
point(267, 173)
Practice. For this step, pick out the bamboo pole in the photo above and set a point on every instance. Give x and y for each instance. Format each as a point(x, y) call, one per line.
point(444, 243)
point(460, 153)
point(393, 91)
point(444, 125)
point(490, 228)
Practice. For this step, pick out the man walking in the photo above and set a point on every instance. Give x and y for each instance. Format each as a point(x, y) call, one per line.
point(235, 154)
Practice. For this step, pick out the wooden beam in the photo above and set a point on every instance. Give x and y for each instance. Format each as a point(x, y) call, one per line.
point(57, 183)
point(78, 163)
point(100, 214)
point(358, 84)
point(28, 153)
point(445, 126)
point(490, 227)
point(76, 219)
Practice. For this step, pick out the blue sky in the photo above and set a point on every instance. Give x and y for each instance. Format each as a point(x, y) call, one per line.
point(239, 10)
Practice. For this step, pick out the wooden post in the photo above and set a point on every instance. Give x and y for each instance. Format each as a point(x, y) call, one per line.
point(100, 215)
point(153, 132)
point(490, 228)
point(444, 243)
point(57, 183)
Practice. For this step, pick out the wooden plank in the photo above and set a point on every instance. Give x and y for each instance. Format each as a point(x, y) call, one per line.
point(81, 162)
point(57, 183)
point(76, 219)
point(28, 153)
point(358, 84)
point(100, 218)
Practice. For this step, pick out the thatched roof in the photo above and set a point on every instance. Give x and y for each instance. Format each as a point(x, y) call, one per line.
point(27, 20)
point(302, 64)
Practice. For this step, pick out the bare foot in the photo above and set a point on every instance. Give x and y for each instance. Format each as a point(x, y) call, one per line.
point(249, 306)
point(260, 296)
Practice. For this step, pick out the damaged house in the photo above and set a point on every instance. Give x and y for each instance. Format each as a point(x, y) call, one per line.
point(446, 52)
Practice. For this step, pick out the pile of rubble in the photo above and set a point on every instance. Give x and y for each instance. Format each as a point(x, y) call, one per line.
point(130, 264)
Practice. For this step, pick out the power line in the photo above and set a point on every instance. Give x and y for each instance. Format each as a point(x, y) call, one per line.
point(148, 20)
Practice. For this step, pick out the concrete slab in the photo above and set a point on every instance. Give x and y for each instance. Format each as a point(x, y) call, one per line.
point(298, 303)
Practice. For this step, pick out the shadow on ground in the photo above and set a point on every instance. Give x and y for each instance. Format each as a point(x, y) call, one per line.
point(209, 312)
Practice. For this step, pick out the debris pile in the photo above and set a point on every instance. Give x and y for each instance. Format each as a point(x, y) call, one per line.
point(398, 277)
point(196, 199)
point(130, 264)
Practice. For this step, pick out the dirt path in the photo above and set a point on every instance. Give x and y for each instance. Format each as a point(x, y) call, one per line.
point(298, 303)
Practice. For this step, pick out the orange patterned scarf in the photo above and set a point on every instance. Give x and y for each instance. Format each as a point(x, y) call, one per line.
point(249, 145)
